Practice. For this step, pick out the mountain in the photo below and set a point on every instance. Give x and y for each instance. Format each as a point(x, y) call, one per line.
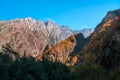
point(49, 40)
point(65, 32)
point(67, 51)
point(98, 53)
point(64, 50)
point(57, 33)
point(31, 37)
point(111, 15)
point(24, 36)
point(103, 46)
point(86, 32)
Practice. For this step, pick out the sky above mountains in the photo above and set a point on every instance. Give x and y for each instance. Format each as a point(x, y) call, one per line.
point(77, 14)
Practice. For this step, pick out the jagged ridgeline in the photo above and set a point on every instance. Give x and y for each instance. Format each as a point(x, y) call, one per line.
point(31, 37)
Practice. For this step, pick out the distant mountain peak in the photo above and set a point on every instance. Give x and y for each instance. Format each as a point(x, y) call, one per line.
point(86, 32)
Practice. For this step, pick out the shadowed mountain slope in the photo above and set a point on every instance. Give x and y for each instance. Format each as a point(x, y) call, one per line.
point(103, 46)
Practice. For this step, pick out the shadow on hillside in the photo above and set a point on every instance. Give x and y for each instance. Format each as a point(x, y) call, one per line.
point(80, 41)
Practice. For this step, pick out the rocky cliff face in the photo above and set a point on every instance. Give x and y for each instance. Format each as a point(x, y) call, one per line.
point(103, 45)
point(65, 32)
point(53, 32)
point(24, 36)
point(57, 33)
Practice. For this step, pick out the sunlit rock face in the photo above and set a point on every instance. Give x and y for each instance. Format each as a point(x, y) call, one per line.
point(25, 36)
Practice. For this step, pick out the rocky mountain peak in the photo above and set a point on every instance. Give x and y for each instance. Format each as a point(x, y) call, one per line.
point(111, 15)
point(86, 32)
point(51, 23)
point(28, 23)
point(66, 28)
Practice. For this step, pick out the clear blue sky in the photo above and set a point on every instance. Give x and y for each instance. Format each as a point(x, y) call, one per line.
point(77, 14)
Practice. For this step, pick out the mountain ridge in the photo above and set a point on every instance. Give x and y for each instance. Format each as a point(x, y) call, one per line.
point(30, 19)
point(31, 36)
